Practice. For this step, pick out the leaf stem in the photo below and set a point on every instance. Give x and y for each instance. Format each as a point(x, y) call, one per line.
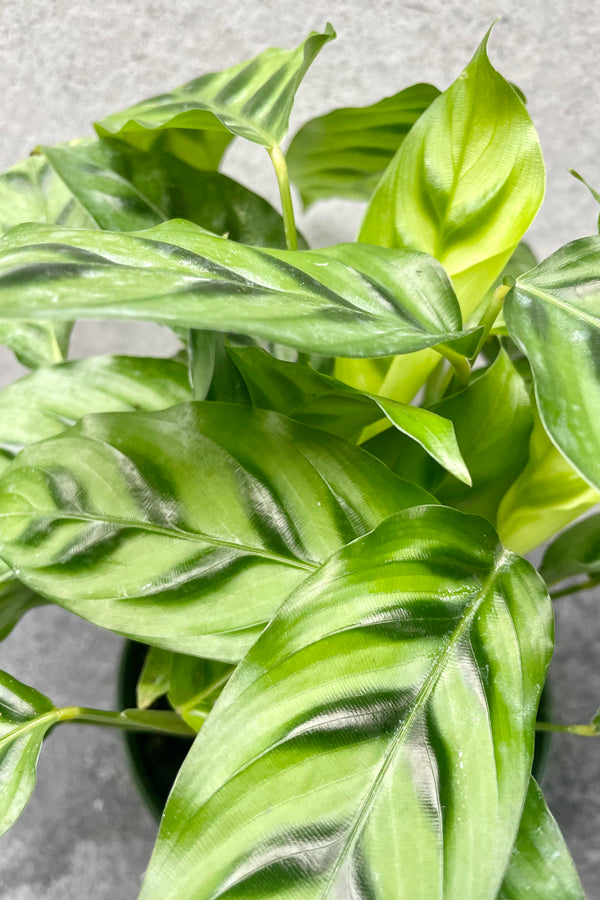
point(575, 588)
point(155, 720)
point(583, 730)
point(491, 314)
point(287, 207)
point(462, 369)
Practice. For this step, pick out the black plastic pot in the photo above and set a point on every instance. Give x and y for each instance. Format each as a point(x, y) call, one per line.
point(155, 759)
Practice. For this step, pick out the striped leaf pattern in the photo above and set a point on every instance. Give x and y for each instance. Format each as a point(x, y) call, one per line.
point(363, 301)
point(32, 192)
point(187, 528)
point(308, 396)
point(50, 400)
point(127, 189)
point(540, 867)
point(253, 99)
point(25, 717)
point(376, 742)
point(553, 315)
point(344, 153)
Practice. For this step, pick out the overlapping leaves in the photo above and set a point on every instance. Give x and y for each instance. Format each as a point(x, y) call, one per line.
point(392, 702)
point(187, 528)
point(364, 301)
point(252, 99)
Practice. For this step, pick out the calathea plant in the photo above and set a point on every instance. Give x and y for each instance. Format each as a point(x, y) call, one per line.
point(326, 571)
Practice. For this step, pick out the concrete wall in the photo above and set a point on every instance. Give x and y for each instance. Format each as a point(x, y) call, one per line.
point(66, 63)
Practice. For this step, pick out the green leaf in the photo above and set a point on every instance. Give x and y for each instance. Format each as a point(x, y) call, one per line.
point(25, 717)
point(32, 192)
point(124, 189)
point(574, 552)
point(492, 420)
point(323, 402)
point(139, 521)
point(200, 149)
point(195, 686)
point(547, 495)
point(344, 153)
point(155, 676)
point(348, 298)
point(540, 867)
point(377, 740)
point(592, 191)
point(50, 400)
point(253, 99)
point(15, 601)
point(522, 261)
point(465, 184)
point(552, 314)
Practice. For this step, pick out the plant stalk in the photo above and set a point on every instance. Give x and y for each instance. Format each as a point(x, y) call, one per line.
point(583, 730)
point(462, 369)
point(287, 207)
point(154, 720)
point(575, 588)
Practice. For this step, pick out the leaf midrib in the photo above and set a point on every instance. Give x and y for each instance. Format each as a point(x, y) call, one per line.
point(178, 534)
point(561, 304)
point(422, 697)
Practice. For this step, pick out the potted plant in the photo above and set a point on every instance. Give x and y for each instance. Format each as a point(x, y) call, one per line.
point(315, 515)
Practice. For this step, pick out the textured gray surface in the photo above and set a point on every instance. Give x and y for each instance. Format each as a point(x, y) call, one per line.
point(86, 833)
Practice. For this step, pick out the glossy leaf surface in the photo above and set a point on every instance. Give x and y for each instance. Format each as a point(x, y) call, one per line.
point(466, 183)
point(31, 191)
point(574, 552)
point(25, 717)
point(553, 315)
point(492, 420)
point(359, 300)
point(253, 99)
point(540, 867)
point(377, 740)
point(124, 189)
point(344, 153)
point(187, 528)
point(323, 402)
point(50, 400)
point(546, 496)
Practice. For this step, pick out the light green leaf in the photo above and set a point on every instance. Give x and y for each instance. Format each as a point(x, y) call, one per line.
point(377, 740)
point(195, 686)
point(492, 420)
point(25, 717)
point(574, 552)
point(155, 676)
point(200, 149)
point(464, 186)
point(466, 183)
point(547, 495)
point(522, 261)
point(553, 315)
point(50, 400)
point(32, 192)
point(139, 521)
point(323, 402)
point(540, 867)
point(360, 300)
point(252, 99)
point(344, 153)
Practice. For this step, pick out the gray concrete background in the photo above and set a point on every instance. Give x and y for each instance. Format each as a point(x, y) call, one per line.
point(86, 834)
